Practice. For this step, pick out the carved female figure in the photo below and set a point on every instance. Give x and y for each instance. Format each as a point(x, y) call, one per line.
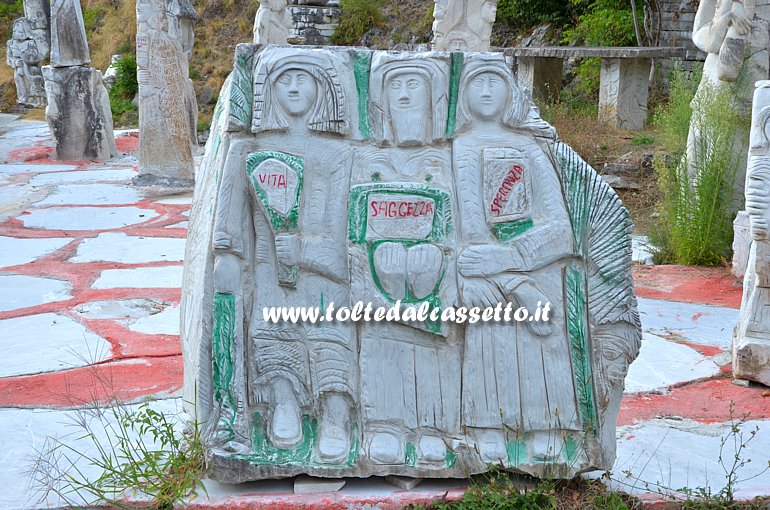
point(279, 240)
point(515, 230)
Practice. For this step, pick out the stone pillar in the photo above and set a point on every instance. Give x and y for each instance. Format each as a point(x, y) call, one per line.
point(463, 25)
point(68, 35)
point(623, 90)
point(741, 244)
point(541, 76)
point(751, 345)
point(167, 107)
point(78, 113)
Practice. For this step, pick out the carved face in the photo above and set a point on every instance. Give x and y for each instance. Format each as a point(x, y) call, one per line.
point(295, 90)
point(489, 11)
point(19, 30)
point(408, 99)
point(487, 95)
point(407, 91)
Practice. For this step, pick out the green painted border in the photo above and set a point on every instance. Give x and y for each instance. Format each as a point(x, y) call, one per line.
point(278, 221)
point(410, 459)
point(362, 62)
point(222, 359)
point(577, 330)
point(511, 229)
point(454, 89)
point(359, 198)
point(241, 92)
point(517, 452)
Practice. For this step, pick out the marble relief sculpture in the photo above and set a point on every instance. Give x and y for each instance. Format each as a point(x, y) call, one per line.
point(167, 105)
point(463, 25)
point(272, 22)
point(24, 52)
point(751, 345)
point(416, 180)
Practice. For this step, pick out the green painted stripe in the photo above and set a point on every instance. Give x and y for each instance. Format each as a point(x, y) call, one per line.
point(362, 62)
point(454, 88)
point(581, 355)
point(511, 229)
point(222, 359)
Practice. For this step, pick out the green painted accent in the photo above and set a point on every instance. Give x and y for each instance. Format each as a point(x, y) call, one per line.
point(263, 453)
point(511, 229)
point(454, 88)
point(241, 93)
point(577, 330)
point(451, 459)
point(362, 63)
point(517, 452)
point(411, 455)
point(222, 359)
point(359, 202)
point(278, 221)
point(571, 449)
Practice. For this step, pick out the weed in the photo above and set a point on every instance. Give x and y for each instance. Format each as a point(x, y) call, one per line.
point(125, 48)
point(125, 87)
point(356, 18)
point(643, 139)
point(698, 206)
point(138, 453)
point(92, 18)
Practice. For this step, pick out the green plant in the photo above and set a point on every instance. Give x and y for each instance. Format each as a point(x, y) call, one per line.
point(125, 87)
point(92, 18)
point(528, 13)
point(138, 453)
point(356, 18)
point(125, 48)
point(698, 206)
point(9, 11)
point(643, 139)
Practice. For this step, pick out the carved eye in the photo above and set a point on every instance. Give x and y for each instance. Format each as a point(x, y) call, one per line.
point(478, 82)
point(494, 82)
point(284, 79)
point(395, 84)
point(414, 84)
point(302, 78)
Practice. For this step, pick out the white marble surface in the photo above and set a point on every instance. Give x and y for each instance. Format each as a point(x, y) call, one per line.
point(15, 251)
point(120, 308)
point(92, 194)
point(163, 323)
point(120, 247)
point(140, 278)
point(47, 342)
point(82, 176)
point(22, 168)
point(700, 324)
point(20, 291)
point(86, 218)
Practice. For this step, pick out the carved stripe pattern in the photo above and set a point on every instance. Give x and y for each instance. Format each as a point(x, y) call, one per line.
point(222, 358)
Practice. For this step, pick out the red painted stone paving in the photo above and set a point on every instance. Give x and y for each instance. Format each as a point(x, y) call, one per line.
point(698, 285)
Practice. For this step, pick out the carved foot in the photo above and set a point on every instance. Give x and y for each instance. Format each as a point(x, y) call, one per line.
point(544, 446)
point(423, 268)
point(334, 431)
point(491, 445)
point(386, 448)
point(432, 449)
point(528, 295)
point(286, 425)
point(390, 266)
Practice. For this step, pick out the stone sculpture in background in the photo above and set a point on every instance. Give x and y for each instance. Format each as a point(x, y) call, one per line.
point(463, 25)
point(417, 180)
point(272, 22)
point(181, 17)
point(751, 345)
point(24, 52)
point(78, 110)
point(69, 46)
point(167, 106)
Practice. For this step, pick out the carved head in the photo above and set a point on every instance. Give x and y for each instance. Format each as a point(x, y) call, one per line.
point(22, 29)
point(408, 101)
point(489, 11)
point(151, 13)
point(299, 85)
point(488, 92)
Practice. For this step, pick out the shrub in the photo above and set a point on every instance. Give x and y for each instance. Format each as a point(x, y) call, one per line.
point(125, 87)
point(356, 18)
point(529, 13)
point(698, 205)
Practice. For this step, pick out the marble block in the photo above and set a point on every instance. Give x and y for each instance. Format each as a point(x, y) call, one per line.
point(78, 113)
point(425, 180)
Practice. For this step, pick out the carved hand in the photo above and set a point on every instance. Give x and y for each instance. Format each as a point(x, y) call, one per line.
point(739, 18)
point(483, 293)
point(488, 260)
point(227, 273)
point(287, 249)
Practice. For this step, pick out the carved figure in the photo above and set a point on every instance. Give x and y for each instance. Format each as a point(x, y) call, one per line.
point(23, 56)
point(167, 107)
point(272, 22)
point(68, 34)
point(292, 251)
point(751, 349)
point(463, 25)
point(348, 175)
point(181, 17)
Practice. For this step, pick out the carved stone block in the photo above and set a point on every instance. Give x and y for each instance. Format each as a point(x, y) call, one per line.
point(623, 92)
point(78, 113)
point(68, 34)
point(24, 53)
point(411, 181)
point(463, 25)
point(541, 76)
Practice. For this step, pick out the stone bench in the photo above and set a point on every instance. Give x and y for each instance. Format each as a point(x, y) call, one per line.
point(624, 77)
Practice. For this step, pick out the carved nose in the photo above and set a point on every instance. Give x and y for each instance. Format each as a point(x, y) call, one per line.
point(485, 89)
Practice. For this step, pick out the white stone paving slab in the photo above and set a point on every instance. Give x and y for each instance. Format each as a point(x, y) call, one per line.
point(15, 198)
point(25, 433)
point(662, 363)
point(21, 168)
point(120, 247)
point(15, 251)
point(163, 323)
point(672, 454)
point(181, 224)
point(169, 277)
point(47, 342)
point(27, 129)
point(20, 291)
point(82, 176)
point(700, 324)
point(86, 218)
point(180, 200)
point(92, 194)
point(120, 308)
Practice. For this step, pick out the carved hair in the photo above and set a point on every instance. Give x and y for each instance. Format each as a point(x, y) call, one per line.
point(516, 109)
point(327, 114)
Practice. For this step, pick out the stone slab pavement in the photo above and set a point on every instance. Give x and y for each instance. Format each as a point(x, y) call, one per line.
point(90, 270)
